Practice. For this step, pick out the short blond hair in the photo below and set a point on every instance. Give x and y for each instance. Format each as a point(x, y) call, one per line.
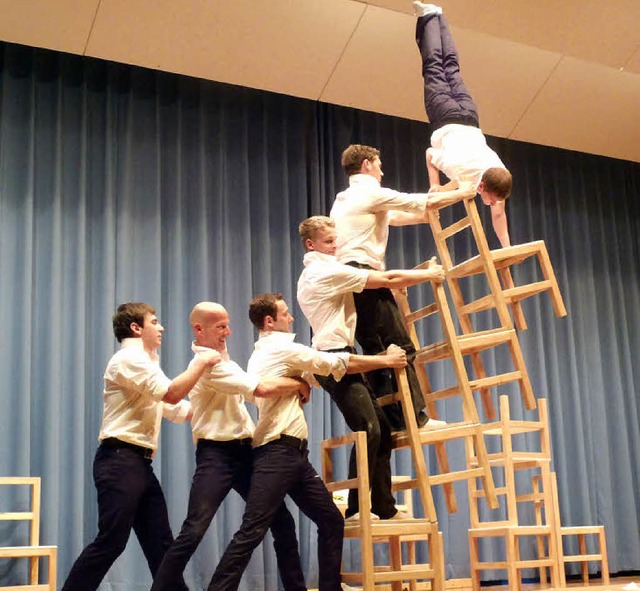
point(309, 228)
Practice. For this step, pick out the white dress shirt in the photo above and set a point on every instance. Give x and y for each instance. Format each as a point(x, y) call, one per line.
point(361, 214)
point(219, 411)
point(134, 386)
point(276, 355)
point(461, 152)
point(325, 295)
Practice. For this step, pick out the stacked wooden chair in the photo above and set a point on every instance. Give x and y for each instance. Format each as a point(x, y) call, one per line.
point(492, 442)
point(32, 551)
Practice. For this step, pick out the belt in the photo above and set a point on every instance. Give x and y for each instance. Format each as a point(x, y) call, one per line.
point(358, 265)
point(226, 443)
point(300, 444)
point(145, 452)
point(351, 350)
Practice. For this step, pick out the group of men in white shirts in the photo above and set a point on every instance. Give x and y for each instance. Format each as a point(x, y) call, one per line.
point(345, 293)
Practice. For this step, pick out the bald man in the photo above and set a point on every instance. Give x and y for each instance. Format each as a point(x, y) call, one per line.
point(223, 432)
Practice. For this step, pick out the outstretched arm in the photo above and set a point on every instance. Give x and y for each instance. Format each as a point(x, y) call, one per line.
point(394, 357)
point(500, 225)
point(397, 279)
point(434, 173)
point(276, 386)
point(181, 385)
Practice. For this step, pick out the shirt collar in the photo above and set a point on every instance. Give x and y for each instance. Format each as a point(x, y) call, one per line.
point(136, 343)
point(276, 335)
point(363, 179)
point(200, 349)
point(313, 255)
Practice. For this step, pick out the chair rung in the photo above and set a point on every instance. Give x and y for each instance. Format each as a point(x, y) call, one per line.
point(17, 516)
point(583, 558)
point(421, 313)
point(461, 224)
point(341, 484)
point(26, 551)
point(514, 294)
point(442, 394)
point(490, 382)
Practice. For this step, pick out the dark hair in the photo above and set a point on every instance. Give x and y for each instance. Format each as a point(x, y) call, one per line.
point(126, 315)
point(262, 306)
point(355, 155)
point(497, 181)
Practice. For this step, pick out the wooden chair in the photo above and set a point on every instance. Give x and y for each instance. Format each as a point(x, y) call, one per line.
point(33, 551)
point(415, 439)
point(495, 265)
point(595, 532)
point(544, 529)
point(390, 532)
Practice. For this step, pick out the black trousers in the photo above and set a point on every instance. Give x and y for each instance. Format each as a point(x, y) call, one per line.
point(129, 497)
point(279, 470)
point(220, 467)
point(362, 412)
point(446, 98)
point(379, 325)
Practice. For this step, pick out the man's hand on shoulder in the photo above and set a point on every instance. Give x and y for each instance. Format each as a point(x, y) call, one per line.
point(210, 357)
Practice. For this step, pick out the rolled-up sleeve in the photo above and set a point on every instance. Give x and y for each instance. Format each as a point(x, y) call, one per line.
point(176, 413)
point(139, 374)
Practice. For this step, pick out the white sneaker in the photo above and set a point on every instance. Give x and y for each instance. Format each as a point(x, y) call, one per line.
point(346, 587)
point(630, 587)
point(356, 517)
point(432, 424)
point(422, 9)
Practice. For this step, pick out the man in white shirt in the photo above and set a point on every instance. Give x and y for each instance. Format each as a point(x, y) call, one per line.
point(223, 432)
point(136, 395)
point(363, 213)
point(458, 147)
point(281, 466)
point(325, 295)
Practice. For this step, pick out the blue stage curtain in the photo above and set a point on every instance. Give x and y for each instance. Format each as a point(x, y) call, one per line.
point(123, 184)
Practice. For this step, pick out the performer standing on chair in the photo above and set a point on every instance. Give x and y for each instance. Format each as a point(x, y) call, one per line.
point(458, 146)
point(325, 294)
point(136, 395)
point(363, 213)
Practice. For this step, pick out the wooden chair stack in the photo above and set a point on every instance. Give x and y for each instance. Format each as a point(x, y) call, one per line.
point(394, 534)
point(485, 323)
point(32, 551)
point(512, 461)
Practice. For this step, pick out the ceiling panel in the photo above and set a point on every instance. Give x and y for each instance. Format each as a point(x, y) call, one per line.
point(588, 108)
point(602, 32)
point(63, 25)
point(633, 65)
point(502, 76)
point(390, 80)
point(380, 68)
point(283, 46)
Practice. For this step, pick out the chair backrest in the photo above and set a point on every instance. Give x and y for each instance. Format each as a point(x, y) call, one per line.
point(32, 515)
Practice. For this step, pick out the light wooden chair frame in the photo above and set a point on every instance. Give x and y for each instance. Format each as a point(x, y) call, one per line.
point(33, 551)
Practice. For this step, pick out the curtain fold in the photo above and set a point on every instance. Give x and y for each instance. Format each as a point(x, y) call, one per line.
point(121, 184)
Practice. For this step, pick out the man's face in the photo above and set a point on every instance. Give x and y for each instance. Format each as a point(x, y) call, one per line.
point(324, 241)
point(487, 197)
point(374, 168)
point(213, 331)
point(151, 332)
point(283, 320)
